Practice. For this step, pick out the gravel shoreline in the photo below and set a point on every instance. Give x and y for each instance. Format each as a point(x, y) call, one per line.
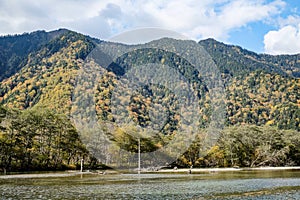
point(226, 169)
point(182, 170)
point(42, 175)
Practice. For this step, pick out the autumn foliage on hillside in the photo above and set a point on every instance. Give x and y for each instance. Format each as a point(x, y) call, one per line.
point(262, 103)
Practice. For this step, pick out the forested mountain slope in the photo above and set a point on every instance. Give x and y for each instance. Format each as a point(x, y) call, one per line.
point(261, 89)
point(48, 74)
point(16, 49)
point(39, 70)
point(235, 60)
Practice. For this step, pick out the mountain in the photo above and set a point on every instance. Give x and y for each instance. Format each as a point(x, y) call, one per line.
point(46, 71)
point(16, 49)
point(40, 70)
point(235, 60)
point(261, 89)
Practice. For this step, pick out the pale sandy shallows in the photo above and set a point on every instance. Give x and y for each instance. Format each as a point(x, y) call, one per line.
point(187, 170)
point(228, 169)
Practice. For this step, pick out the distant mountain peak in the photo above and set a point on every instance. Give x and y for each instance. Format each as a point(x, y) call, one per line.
point(236, 60)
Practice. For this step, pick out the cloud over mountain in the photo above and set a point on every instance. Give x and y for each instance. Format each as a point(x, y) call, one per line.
point(285, 40)
point(103, 19)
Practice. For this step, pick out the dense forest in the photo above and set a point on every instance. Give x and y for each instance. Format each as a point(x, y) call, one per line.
point(247, 146)
point(38, 74)
point(234, 60)
point(40, 139)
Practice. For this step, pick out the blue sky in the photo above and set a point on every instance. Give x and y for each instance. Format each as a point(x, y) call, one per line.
point(251, 36)
point(263, 26)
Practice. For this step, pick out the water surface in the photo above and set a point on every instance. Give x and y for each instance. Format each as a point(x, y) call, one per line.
point(221, 185)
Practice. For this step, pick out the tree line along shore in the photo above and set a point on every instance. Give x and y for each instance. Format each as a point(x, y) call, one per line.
point(42, 140)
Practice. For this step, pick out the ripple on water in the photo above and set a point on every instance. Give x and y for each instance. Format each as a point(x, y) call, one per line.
point(151, 186)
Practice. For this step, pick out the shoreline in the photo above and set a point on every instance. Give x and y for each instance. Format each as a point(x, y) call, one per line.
point(228, 169)
point(181, 170)
point(42, 175)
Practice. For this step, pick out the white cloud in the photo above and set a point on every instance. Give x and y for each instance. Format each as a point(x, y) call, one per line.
point(233, 15)
point(197, 19)
point(293, 20)
point(25, 16)
point(286, 40)
point(194, 18)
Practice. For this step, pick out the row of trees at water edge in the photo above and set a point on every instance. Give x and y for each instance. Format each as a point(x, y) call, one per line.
point(246, 146)
point(39, 139)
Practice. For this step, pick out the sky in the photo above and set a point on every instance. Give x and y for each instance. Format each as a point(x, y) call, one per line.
point(262, 26)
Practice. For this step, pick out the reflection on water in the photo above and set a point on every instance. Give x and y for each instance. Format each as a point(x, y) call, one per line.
point(225, 185)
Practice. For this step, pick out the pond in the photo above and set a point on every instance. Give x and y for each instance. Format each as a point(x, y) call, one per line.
point(221, 185)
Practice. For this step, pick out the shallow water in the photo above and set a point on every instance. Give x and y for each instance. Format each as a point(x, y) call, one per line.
point(222, 185)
